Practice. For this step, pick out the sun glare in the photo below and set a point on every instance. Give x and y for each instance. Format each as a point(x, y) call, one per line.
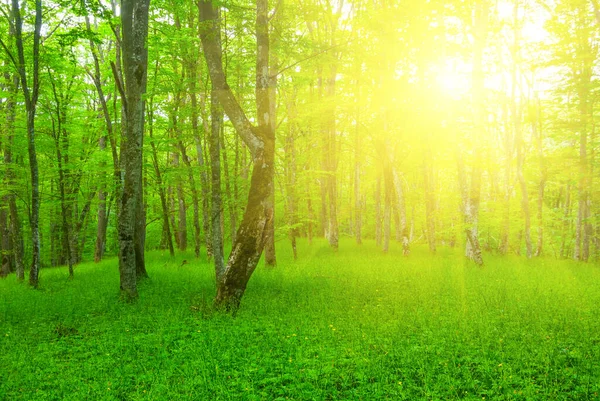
point(453, 79)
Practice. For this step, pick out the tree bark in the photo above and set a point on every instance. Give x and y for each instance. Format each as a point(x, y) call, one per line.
point(5, 245)
point(473, 249)
point(102, 193)
point(402, 212)
point(14, 225)
point(378, 216)
point(31, 94)
point(159, 181)
point(516, 119)
point(290, 170)
point(250, 238)
point(387, 209)
point(134, 21)
point(216, 228)
point(204, 183)
point(538, 133)
point(429, 198)
point(58, 132)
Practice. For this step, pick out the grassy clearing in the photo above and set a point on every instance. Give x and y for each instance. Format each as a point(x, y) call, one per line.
point(349, 325)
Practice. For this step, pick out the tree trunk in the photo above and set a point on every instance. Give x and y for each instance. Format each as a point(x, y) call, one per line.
point(309, 209)
point(216, 229)
point(159, 181)
point(508, 152)
point(228, 192)
point(290, 170)
point(134, 21)
point(538, 133)
point(429, 199)
point(332, 160)
point(378, 216)
point(14, 225)
point(60, 137)
point(204, 183)
point(516, 119)
point(250, 238)
point(182, 210)
point(5, 245)
point(387, 210)
point(31, 94)
point(401, 202)
point(473, 249)
point(102, 193)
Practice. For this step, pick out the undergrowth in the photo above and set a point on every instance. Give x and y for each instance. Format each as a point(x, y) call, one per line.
point(347, 325)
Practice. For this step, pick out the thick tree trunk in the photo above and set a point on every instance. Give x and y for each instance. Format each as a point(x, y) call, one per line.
point(134, 20)
point(248, 247)
point(250, 238)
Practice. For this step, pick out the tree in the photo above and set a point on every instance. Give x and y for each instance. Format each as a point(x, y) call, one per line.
point(250, 238)
point(134, 21)
point(31, 90)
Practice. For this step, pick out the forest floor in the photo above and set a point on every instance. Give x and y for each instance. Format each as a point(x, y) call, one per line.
point(350, 325)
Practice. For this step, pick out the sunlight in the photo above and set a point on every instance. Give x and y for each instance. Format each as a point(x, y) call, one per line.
point(453, 78)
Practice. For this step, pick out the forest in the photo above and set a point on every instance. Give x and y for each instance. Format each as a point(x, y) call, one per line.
point(183, 182)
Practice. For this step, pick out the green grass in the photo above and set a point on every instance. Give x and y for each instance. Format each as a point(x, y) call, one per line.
point(355, 324)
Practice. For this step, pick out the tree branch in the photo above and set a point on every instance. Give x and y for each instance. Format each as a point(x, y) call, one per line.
point(119, 85)
point(210, 37)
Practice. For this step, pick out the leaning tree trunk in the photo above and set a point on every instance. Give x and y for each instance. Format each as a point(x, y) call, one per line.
point(250, 238)
point(134, 20)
